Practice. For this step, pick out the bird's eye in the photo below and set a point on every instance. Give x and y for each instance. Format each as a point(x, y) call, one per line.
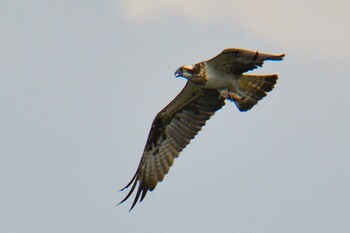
point(186, 70)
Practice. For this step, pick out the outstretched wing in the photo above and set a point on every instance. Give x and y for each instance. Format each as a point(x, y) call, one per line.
point(238, 61)
point(171, 132)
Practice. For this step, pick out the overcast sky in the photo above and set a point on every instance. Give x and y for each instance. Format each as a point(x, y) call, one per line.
point(81, 82)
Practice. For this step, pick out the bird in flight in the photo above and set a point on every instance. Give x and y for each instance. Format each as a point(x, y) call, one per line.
point(209, 84)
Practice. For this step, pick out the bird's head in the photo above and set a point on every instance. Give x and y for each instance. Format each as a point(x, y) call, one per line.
point(185, 72)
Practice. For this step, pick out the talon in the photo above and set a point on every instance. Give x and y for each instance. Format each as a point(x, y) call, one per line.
point(225, 94)
point(233, 96)
point(256, 56)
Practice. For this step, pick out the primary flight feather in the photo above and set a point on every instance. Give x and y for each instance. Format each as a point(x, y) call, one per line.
point(209, 84)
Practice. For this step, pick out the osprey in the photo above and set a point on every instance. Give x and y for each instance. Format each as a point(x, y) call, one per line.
point(209, 84)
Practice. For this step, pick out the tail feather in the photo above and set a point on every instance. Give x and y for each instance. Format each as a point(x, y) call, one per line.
point(253, 88)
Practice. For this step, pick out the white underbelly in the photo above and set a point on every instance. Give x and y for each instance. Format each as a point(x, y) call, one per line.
point(220, 80)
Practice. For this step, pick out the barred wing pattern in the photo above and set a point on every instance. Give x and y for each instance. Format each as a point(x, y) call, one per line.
point(171, 132)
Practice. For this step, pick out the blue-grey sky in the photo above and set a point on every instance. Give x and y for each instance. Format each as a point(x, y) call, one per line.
point(81, 82)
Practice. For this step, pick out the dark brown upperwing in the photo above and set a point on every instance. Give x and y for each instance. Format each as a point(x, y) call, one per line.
point(171, 132)
point(238, 61)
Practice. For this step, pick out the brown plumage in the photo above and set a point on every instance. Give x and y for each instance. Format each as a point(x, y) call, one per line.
point(209, 84)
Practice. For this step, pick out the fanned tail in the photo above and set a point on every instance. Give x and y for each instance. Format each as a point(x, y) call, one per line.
point(253, 88)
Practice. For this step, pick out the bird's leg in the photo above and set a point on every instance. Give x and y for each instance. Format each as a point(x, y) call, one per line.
point(226, 94)
point(223, 94)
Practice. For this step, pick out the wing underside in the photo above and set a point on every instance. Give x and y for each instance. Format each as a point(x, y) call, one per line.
point(171, 132)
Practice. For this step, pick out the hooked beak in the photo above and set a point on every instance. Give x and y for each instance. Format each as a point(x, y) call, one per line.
point(178, 74)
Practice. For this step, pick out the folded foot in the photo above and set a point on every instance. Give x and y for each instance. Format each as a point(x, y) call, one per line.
point(225, 94)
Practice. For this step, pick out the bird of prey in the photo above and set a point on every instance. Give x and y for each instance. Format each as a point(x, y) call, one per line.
point(209, 84)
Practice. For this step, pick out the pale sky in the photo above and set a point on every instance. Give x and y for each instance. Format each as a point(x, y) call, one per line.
point(81, 82)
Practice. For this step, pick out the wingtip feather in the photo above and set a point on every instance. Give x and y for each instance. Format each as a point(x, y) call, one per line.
point(127, 186)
